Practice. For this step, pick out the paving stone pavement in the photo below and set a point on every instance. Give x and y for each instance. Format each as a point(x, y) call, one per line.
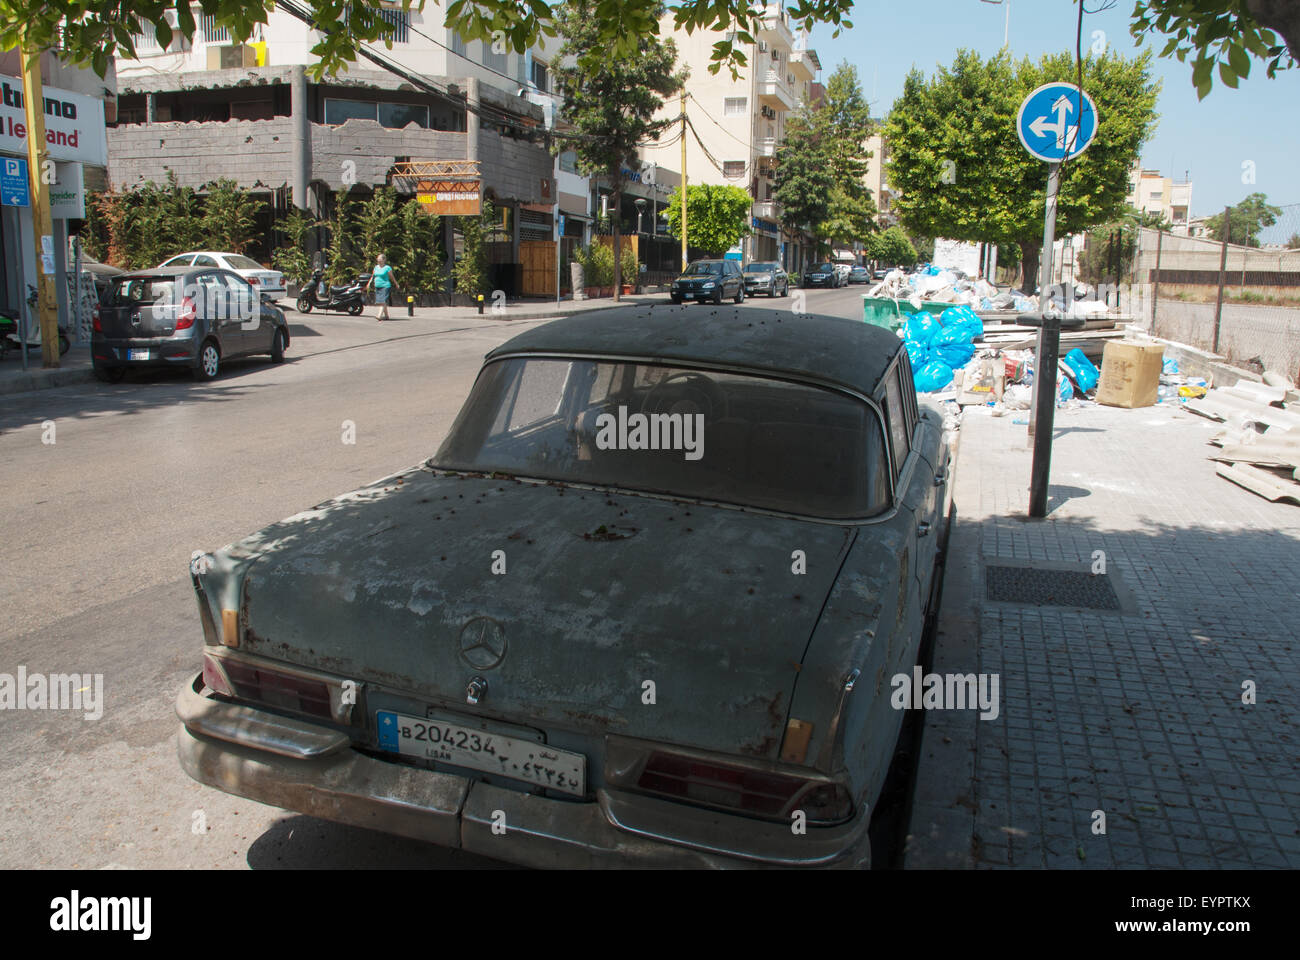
point(1138, 714)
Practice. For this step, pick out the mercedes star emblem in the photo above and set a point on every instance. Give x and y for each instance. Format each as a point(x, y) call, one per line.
point(483, 643)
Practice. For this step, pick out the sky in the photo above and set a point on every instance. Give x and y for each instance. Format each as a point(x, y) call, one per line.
point(1207, 140)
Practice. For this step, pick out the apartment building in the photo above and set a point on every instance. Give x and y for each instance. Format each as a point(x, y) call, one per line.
point(214, 108)
point(736, 124)
point(1152, 192)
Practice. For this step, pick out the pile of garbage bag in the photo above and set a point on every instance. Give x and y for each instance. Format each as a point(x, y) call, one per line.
point(938, 345)
point(937, 285)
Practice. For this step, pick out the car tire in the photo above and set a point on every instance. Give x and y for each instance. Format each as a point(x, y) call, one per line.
point(108, 374)
point(277, 347)
point(208, 364)
point(717, 296)
point(740, 294)
point(304, 305)
point(64, 343)
point(676, 300)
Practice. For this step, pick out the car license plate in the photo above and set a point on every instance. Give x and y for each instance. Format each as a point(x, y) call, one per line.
point(433, 738)
point(137, 354)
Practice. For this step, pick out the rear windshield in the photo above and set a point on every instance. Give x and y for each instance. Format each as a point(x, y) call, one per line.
point(140, 290)
point(243, 263)
point(728, 437)
point(710, 267)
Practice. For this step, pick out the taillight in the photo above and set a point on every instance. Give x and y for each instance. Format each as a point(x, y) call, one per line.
point(254, 281)
point(276, 689)
point(756, 793)
point(188, 313)
point(94, 319)
point(215, 677)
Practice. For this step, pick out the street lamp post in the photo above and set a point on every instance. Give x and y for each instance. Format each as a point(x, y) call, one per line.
point(640, 209)
point(1006, 23)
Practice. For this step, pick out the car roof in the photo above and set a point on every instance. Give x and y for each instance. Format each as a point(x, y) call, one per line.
point(809, 346)
point(162, 272)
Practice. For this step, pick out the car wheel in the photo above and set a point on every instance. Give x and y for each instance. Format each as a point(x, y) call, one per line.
point(304, 305)
point(717, 296)
point(740, 294)
point(109, 374)
point(209, 362)
point(277, 347)
point(674, 299)
point(64, 344)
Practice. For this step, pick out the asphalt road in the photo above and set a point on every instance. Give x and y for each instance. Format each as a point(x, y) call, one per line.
point(99, 531)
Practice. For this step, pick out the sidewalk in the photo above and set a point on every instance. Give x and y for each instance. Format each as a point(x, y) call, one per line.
point(340, 330)
point(1138, 712)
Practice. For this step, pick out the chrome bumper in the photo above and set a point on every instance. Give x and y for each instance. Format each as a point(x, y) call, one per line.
point(313, 770)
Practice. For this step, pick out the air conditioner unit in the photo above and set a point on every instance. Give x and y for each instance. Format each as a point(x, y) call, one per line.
point(231, 56)
point(762, 46)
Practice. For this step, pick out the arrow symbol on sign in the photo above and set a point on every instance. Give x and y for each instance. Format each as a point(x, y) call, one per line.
point(1041, 127)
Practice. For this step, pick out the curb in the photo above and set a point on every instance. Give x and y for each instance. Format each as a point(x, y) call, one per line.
point(42, 379)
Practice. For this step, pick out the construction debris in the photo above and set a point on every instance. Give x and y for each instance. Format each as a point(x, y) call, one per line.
point(1260, 449)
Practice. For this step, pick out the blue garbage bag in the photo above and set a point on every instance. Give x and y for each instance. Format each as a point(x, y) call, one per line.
point(935, 375)
point(1081, 369)
point(932, 271)
point(960, 324)
point(917, 353)
point(953, 354)
point(1169, 365)
point(921, 327)
point(1064, 388)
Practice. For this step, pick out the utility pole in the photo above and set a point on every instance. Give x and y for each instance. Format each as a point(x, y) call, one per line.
point(37, 158)
point(684, 260)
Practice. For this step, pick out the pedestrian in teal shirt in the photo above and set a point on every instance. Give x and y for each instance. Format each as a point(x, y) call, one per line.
point(381, 281)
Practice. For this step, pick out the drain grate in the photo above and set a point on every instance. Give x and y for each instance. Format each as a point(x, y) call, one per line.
point(1055, 588)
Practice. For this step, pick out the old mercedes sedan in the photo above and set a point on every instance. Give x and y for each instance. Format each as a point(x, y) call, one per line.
point(642, 607)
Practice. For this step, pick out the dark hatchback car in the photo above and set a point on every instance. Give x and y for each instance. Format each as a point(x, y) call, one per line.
point(709, 281)
point(821, 275)
point(766, 276)
point(192, 317)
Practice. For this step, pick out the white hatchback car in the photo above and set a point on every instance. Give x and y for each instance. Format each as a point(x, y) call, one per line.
point(263, 280)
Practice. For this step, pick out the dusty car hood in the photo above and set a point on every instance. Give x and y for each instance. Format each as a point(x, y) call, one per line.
point(379, 585)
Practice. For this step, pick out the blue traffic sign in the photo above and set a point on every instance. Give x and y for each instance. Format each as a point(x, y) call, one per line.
point(14, 190)
point(1057, 122)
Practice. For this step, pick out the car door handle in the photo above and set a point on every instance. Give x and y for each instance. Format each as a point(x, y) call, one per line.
point(923, 528)
point(940, 479)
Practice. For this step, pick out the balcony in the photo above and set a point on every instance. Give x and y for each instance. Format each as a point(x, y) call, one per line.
point(767, 147)
point(775, 26)
point(767, 210)
point(807, 61)
point(774, 90)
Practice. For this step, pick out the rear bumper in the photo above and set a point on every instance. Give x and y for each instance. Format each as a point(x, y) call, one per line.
point(160, 352)
point(313, 770)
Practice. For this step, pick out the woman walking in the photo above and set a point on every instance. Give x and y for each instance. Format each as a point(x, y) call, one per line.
point(381, 281)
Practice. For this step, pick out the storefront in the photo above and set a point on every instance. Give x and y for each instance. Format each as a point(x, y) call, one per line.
point(75, 138)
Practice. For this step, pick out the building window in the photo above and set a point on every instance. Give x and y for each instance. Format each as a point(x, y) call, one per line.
point(734, 107)
point(398, 21)
point(733, 169)
point(541, 77)
point(494, 61)
point(569, 162)
point(392, 115)
point(211, 32)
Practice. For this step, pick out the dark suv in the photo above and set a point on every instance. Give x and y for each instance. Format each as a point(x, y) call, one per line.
point(821, 275)
point(193, 317)
point(709, 280)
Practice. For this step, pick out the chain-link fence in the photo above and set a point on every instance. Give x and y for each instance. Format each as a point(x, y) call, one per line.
point(1240, 300)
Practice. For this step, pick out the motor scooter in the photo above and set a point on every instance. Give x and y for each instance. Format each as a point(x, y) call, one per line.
point(319, 294)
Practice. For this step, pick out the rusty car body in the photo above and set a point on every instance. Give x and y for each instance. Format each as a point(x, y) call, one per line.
point(555, 646)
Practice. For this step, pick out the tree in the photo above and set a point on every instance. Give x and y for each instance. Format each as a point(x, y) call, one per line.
point(961, 176)
point(471, 267)
point(1222, 33)
point(842, 124)
point(716, 216)
point(1245, 220)
point(1294, 242)
point(230, 216)
point(610, 100)
point(419, 259)
point(892, 247)
point(378, 226)
point(340, 265)
point(110, 225)
point(292, 259)
point(97, 30)
point(804, 181)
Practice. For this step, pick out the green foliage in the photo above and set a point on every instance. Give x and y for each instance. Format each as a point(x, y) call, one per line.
point(229, 216)
point(1109, 250)
point(471, 268)
point(1245, 221)
point(597, 264)
point(340, 259)
point(891, 247)
point(716, 216)
point(1294, 242)
point(292, 259)
point(378, 227)
point(630, 267)
point(418, 259)
point(804, 179)
point(960, 173)
point(1224, 35)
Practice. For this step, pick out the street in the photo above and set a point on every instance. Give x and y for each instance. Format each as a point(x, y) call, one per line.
point(114, 489)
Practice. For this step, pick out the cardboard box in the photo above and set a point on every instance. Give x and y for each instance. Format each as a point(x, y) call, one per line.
point(1130, 373)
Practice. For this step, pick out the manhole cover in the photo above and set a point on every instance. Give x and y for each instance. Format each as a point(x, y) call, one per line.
point(1056, 588)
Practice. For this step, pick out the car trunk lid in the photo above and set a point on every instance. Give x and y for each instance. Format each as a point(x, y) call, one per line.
point(140, 307)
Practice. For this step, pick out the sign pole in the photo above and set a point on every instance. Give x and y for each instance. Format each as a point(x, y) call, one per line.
point(1049, 348)
point(684, 258)
point(37, 155)
point(1045, 273)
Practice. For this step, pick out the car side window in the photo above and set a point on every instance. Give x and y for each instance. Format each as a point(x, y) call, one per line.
point(184, 260)
point(213, 292)
point(896, 413)
point(202, 261)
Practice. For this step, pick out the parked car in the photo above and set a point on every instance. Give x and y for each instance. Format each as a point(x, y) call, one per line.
point(766, 276)
point(843, 269)
point(194, 317)
point(859, 275)
point(821, 275)
point(879, 274)
point(709, 280)
point(508, 634)
point(267, 281)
